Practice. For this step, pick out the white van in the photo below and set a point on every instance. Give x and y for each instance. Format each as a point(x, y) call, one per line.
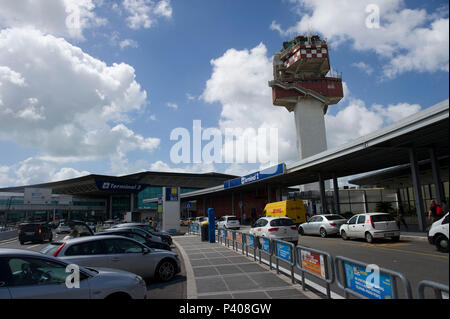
point(438, 234)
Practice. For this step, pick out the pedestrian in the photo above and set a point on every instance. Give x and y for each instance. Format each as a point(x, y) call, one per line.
point(432, 212)
point(401, 219)
point(72, 234)
point(444, 206)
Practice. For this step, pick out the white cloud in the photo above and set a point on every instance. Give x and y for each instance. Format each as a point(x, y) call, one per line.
point(34, 171)
point(128, 43)
point(407, 39)
point(172, 105)
point(144, 13)
point(61, 101)
point(363, 67)
point(68, 18)
point(160, 166)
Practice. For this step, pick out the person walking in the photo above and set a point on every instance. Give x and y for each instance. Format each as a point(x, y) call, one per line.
point(433, 212)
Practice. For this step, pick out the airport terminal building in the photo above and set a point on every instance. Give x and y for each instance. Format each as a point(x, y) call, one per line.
point(100, 197)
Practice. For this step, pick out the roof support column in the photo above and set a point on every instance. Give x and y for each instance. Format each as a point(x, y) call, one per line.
point(366, 206)
point(418, 198)
point(233, 211)
point(323, 198)
point(436, 176)
point(269, 194)
point(337, 206)
point(110, 208)
point(204, 206)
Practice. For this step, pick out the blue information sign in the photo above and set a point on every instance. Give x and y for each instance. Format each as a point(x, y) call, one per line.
point(265, 173)
point(284, 251)
point(224, 233)
point(357, 280)
point(251, 239)
point(265, 243)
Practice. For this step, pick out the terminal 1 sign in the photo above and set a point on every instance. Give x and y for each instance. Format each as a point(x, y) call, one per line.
point(257, 176)
point(119, 186)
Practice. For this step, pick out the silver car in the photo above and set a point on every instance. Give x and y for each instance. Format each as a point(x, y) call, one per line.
point(322, 225)
point(117, 252)
point(27, 274)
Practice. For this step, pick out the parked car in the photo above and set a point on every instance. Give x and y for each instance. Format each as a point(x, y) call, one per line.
point(35, 232)
point(438, 234)
point(27, 274)
point(282, 228)
point(165, 237)
point(322, 225)
point(117, 252)
point(371, 226)
point(229, 222)
point(136, 234)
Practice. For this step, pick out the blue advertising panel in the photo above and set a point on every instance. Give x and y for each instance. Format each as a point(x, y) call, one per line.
point(251, 241)
point(265, 245)
point(265, 173)
point(224, 233)
point(356, 279)
point(284, 251)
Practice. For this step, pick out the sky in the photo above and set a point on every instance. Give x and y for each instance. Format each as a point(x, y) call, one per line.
point(115, 87)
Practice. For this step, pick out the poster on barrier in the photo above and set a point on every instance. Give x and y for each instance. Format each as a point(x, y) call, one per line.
point(284, 251)
point(313, 263)
point(239, 237)
point(250, 241)
point(224, 233)
point(361, 281)
point(230, 235)
point(265, 244)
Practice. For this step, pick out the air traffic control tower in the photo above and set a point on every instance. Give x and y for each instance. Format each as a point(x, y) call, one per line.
point(303, 84)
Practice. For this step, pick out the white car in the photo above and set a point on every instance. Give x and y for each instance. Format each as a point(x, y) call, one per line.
point(370, 226)
point(229, 222)
point(281, 228)
point(63, 228)
point(438, 234)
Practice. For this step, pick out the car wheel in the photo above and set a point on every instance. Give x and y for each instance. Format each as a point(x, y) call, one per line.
point(323, 233)
point(50, 238)
point(118, 296)
point(396, 238)
point(301, 231)
point(344, 235)
point(22, 242)
point(165, 270)
point(369, 237)
point(442, 244)
point(295, 243)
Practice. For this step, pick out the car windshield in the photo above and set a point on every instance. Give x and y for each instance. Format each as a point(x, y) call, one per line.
point(282, 222)
point(382, 218)
point(334, 217)
point(232, 218)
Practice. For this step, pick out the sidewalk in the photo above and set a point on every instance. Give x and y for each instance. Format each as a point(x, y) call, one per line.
point(216, 272)
point(412, 233)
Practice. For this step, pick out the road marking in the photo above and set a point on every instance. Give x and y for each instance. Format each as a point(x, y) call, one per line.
point(33, 246)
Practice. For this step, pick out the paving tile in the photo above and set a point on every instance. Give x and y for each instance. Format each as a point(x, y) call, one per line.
point(219, 261)
point(222, 296)
point(204, 271)
point(250, 295)
point(228, 269)
point(289, 292)
point(252, 267)
point(239, 260)
point(205, 285)
point(239, 282)
point(196, 256)
point(200, 262)
point(268, 280)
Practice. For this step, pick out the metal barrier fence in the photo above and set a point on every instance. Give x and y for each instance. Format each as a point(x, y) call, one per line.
point(359, 279)
point(315, 262)
point(379, 284)
point(437, 288)
point(283, 250)
point(250, 242)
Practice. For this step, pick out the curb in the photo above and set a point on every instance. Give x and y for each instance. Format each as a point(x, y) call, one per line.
point(191, 286)
point(414, 238)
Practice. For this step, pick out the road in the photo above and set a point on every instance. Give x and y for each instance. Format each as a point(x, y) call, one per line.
point(416, 260)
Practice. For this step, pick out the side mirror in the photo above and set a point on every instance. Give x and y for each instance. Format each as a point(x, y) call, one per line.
point(145, 251)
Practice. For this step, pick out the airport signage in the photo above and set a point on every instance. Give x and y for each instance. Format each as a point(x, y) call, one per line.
point(171, 194)
point(119, 186)
point(37, 195)
point(257, 176)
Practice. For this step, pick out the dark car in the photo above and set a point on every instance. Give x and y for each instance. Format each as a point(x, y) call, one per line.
point(133, 234)
point(164, 235)
point(35, 232)
point(82, 228)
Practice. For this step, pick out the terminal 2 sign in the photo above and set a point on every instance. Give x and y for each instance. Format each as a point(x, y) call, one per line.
point(257, 176)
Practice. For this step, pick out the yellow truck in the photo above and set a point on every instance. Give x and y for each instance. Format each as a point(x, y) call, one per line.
point(293, 209)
